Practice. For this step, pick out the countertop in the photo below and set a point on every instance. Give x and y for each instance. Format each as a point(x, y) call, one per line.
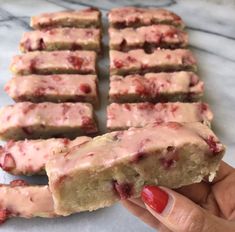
point(211, 26)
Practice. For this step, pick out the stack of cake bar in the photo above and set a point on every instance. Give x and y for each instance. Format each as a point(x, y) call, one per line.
point(153, 81)
point(152, 72)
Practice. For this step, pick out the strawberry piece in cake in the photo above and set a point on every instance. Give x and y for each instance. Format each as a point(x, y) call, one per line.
point(54, 88)
point(137, 61)
point(136, 17)
point(117, 165)
point(156, 87)
point(123, 116)
point(21, 200)
point(56, 62)
point(44, 120)
point(148, 38)
point(28, 157)
point(61, 39)
point(90, 17)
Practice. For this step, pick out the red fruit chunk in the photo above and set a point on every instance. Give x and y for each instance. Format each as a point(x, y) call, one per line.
point(8, 162)
point(85, 88)
point(118, 63)
point(4, 215)
point(76, 61)
point(213, 145)
point(124, 190)
point(16, 183)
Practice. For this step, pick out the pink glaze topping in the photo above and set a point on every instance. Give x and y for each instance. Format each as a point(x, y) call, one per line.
point(155, 34)
point(26, 201)
point(129, 16)
point(83, 17)
point(140, 114)
point(83, 62)
point(124, 146)
point(154, 84)
point(74, 86)
point(77, 37)
point(26, 114)
point(139, 60)
point(30, 156)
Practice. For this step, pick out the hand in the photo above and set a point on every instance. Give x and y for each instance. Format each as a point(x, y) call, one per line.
point(202, 207)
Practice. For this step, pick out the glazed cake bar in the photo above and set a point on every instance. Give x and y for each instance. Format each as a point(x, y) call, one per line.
point(44, 120)
point(156, 87)
point(148, 38)
point(136, 17)
point(90, 17)
point(117, 165)
point(137, 61)
point(61, 39)
point(123, 116)
point(54, 88)
point(28, 157)
point(20, 200)
point(55, 62)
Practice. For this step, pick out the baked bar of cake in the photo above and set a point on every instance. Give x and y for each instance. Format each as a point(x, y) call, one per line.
point(156, 87)
point(55, 62)
point(117, 165)
point(28, 157)
point(123, 116)
point(21, 200)
point(136, 17)
point(54, 88)
point(61, 39)
point(138, 61)
point(90, 17)
point(45, 120)
point(148, 38)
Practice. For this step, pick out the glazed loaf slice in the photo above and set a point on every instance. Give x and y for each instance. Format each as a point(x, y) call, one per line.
point(20, 200)
point(44, 120)
point(156, 87)
point(148, 38)
point(54, 88)
point(61, 39)
point(123, 116)
point(135, 17)
point(28, 157)
point(89, 17)
point(117, 165)
point(137, 61)
point(55, 62)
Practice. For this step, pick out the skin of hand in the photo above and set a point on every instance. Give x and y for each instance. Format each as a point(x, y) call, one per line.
point(201, 207)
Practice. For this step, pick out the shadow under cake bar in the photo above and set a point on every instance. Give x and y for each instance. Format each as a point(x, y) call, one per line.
point(55, 62)
point(44, 120)
point(89, 17)
point(54, 88)
point(138, 61)
point(156, 87)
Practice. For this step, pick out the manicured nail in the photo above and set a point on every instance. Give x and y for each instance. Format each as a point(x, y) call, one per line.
point(155, 197)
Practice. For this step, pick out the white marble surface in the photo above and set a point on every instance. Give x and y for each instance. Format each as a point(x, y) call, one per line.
point(212, 37)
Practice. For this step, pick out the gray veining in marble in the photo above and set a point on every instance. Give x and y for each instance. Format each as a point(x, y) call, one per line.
point(212, 38)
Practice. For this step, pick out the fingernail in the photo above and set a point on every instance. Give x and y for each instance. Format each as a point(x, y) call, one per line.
point(155, 197)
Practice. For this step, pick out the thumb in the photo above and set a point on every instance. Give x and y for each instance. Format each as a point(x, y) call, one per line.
point(180, 214)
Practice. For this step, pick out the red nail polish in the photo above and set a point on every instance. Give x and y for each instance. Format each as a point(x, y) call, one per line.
point(155, 198)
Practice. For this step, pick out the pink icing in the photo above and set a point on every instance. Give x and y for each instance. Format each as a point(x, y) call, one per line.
point(138, 60)
point(40, 40)
point(155, 34)
point(30, 156)
point(55, 61)
point(140, 114)
point(53, 87)
point(153, 85)
point(132, 16)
